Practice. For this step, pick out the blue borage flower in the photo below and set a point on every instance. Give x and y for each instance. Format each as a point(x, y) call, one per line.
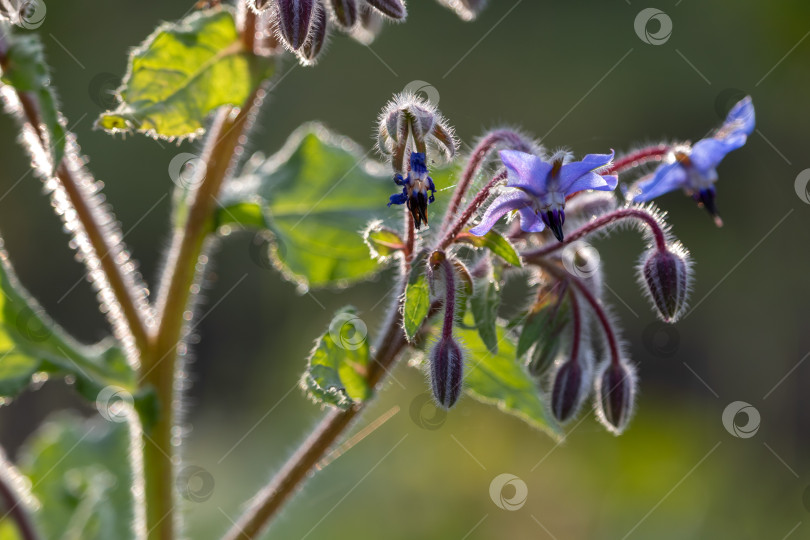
point(415, 189)
point(694, 169)
point(541, 188)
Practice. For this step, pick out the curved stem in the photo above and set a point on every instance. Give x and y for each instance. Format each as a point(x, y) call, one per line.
point(12, 506)
point(479, 199)
point(449, 300)
point(184, 266)
point(267, 503)
point(637, 158)
point(658, 233)
point(132, 305)
point(485, 146)
point(596, 306)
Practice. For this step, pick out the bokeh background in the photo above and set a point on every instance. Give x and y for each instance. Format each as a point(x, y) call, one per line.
point(577, 74)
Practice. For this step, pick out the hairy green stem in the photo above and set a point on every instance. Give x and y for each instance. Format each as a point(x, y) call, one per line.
point(184, 267)
point(13, 507)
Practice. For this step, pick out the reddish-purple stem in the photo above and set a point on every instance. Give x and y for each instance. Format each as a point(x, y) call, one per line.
point(449, 299)
point(638, 158)
point(479, 199)
point(623, 213)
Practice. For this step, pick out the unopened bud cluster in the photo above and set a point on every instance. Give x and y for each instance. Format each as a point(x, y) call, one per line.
point(304, 25)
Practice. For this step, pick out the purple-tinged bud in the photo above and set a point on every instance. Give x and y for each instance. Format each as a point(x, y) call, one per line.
point(446, 372)
point(395, 9)
point(345, 12)
point(466, 9)
point(308, 54)
point(666, 276)
point(371, 24)
point(615, 395)
point(569, 390)
point(294, 17)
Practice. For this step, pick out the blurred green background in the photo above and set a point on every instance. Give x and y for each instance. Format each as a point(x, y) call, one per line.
point(578, 74)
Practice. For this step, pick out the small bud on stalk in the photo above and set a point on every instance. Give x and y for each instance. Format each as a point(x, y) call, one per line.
point(666, 275)
point(446, 372)
point(615, 395)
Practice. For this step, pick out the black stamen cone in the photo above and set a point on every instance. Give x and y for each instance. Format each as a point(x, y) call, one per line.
point(555, 225)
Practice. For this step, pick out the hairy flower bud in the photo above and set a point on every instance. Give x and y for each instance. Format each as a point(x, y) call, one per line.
point(666, 275)
point(395, 9)
point(345, 12)
point(446, 371)
point(370, 24)
point(615, 395)
point(294, 17)
point(569, 390)
point(308, 54)
point(408, 117)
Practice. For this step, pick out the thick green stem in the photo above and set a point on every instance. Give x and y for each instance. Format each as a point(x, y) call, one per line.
point(184, 267)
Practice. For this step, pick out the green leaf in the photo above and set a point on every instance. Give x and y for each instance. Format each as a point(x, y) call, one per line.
point(543, 329)
point(337, 370)
point(382, 242)
point(501, 380)
point(417, 297)
point(241, 215)
point(494, 242)
point(183, 72)
point(30, 343)
point(81, 477)
point(319, 194)
point(24, 68)
point(484, 305)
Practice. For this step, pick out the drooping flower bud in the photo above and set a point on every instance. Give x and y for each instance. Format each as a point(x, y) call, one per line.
point(370, 24)
point(408, 117)
point(308, 53)
point(446, 372)
point(345, 12)
point(395, 9)
point(294, 17)
point(615, 395)
point(666, 276)
point(568, 391)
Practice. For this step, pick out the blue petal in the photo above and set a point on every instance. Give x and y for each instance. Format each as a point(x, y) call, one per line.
point(741, 118)
point(526, 171)
point(399, 198)
point(529, 221)
point(595, 181)
point(708, 153)
point(666, 178)
point(507, 202)
point(571, 172)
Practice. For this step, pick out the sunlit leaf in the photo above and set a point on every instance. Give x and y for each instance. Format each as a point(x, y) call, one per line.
point(319, 193)
point(494, 242)
point(337, 370)
point(183, 72)
point(417, 297)
point(81, 477)
point(484, 304)
point(30, 343)
point(24, 68)
point(500, 379)
point(382, 242)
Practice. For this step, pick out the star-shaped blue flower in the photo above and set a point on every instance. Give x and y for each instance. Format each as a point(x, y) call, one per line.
point(694, 169)
point(415, 189)
point(541, 188)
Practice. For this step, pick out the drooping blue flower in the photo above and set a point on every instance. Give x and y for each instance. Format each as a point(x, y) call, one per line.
point(415, 189)
point(541, 188)
point(694, 168)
